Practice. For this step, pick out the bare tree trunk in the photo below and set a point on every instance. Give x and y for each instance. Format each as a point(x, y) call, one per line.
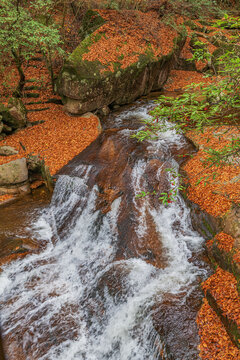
point(48, 61)
point(21, 83)
point(64, 14)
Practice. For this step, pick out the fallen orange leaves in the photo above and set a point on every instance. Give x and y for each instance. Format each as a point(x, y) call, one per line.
point(179, 79)
point(126, 36)
point(217, 196)
point(215, 343)
point(223, 287)
point(6, 197)
point(60, 137)
point(57, 140)
point(225, 242)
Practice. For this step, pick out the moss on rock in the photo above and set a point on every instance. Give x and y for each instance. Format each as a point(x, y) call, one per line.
point(89, 85)
point(92, 20)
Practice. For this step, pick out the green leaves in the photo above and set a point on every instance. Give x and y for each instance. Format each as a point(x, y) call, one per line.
point(228, 22)
point(199, 107)
point(171, 195)
point(22, 33)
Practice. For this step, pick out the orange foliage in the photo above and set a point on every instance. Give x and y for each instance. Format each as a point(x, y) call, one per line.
point(6, 197)
point(236, 256)
point(223, 287)
point(217, 196)
point(127, 34)
point(58, 139)
point(179, 79)
point(215, 343)
point(225, 242)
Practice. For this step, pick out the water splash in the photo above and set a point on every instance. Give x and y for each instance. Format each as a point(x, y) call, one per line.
point(75, 300)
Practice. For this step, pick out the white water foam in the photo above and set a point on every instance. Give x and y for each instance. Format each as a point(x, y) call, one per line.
point(59, 299)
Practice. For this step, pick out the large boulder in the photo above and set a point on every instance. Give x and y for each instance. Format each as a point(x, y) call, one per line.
point(15, 114)
point(87, 84)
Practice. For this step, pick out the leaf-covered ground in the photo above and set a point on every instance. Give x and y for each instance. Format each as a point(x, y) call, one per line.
point(57, 137)
point(215, 341)
point(127, 34)
point(60, 137)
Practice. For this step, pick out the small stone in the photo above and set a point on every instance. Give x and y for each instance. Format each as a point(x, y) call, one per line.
point(7, 151)
point(104, 110)
point(1, 126)
point(34, 163)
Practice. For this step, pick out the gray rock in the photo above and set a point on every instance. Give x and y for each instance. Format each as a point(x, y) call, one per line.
point(14, 172)
point(1, 126)
point(7, 151)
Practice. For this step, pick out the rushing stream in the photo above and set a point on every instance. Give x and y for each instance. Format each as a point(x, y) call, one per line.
point(118, 277)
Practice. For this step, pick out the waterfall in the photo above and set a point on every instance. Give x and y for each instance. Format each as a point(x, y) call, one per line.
point(77, 299)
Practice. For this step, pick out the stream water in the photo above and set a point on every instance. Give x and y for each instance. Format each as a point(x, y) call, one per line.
point(117, 277)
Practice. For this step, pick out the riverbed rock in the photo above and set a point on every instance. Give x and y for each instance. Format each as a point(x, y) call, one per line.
point(15, 114)
point(86, 85)
point(7, 151)
point(14, 177)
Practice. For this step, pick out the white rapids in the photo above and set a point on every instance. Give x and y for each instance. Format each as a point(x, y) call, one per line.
point(57, 303)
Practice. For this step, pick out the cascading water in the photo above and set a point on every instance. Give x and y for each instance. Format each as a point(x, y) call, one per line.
point(86, 295)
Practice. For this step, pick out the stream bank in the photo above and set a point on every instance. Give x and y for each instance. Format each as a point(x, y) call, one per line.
point(215, 214)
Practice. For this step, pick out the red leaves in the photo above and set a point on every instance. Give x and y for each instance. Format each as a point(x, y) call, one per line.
point(215, 343)
point(58, 139)
point(179, 79)
point(225, 242)
point(128, 34)
point(216, 197)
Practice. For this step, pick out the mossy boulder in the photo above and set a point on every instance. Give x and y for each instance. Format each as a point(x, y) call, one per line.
point(89, 85)
point(14, 114)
